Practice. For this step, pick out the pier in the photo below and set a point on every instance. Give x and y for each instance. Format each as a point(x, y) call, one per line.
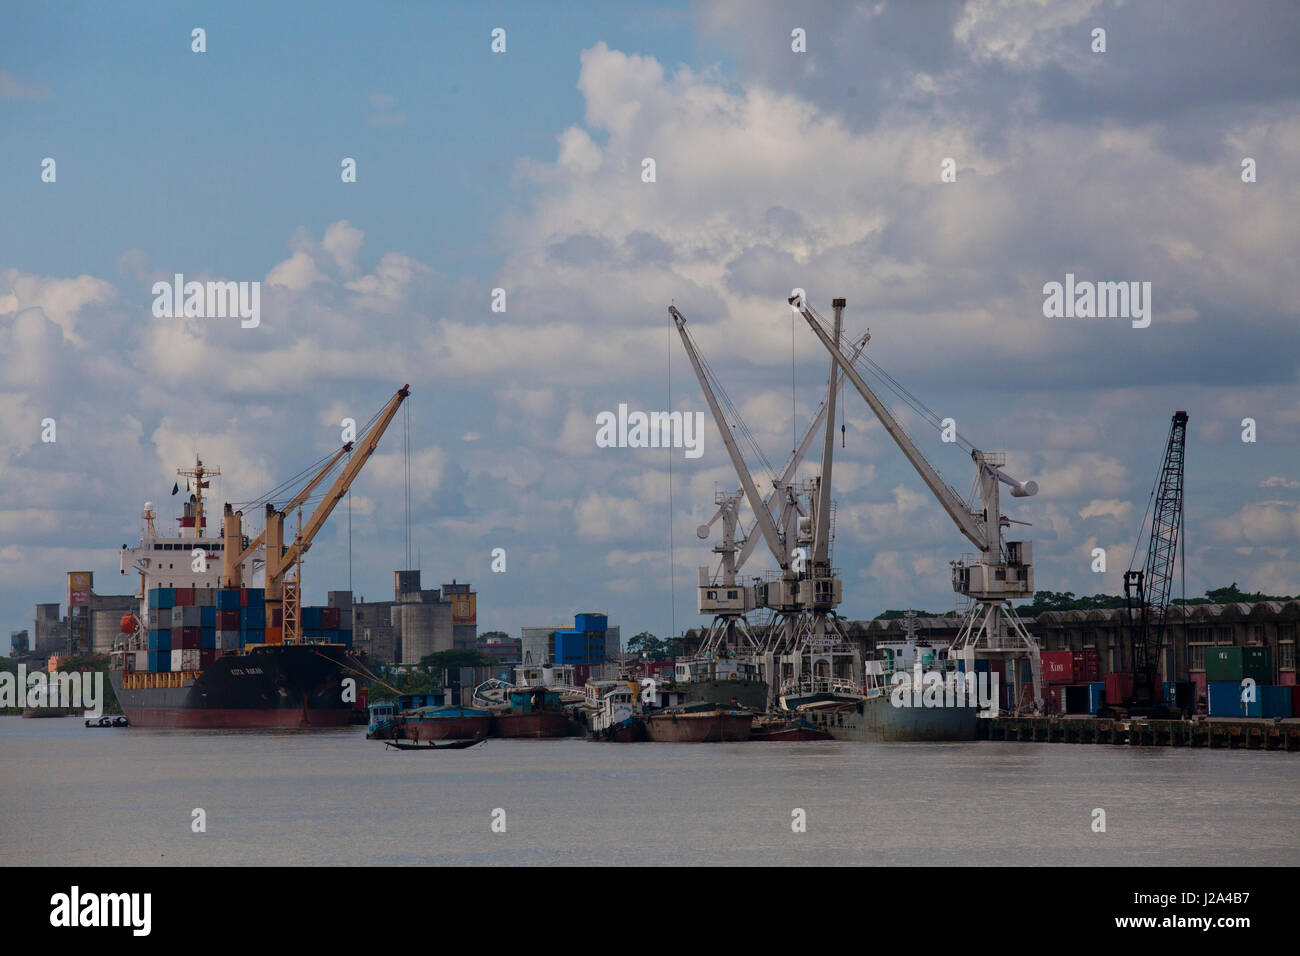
point(1230, 734)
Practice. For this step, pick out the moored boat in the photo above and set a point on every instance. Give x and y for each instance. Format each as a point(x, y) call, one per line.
point(533, 712)
point(699, 723)
point(785, 729)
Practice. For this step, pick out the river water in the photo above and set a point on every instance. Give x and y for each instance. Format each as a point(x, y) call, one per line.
point(75, 796)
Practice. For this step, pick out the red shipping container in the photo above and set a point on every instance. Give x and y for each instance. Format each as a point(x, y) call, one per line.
point(1058, 667)
point(243, 597)
point(207, 658)
point(228, 620)
point(1087, 666)
point(277, 617)
point(189, 638)
point(1295, 699)
point(184, 597)
point(1119, 687)
point(329, 618)
point(1286, 678)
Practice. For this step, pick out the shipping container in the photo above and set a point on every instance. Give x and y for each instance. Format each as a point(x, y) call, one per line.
point(1227, 663)
point(250, 597)
point(252, 636)
point(1286, 678)
point(1087, 665)
point(277, 617)
point(228, 599)
point(184, 597)
point(185, 660)
point(160, 661)
point(160, 641)
point(189, 638)
point(207, 617)
point(207, 658)
point(1058, 667)
point(254, 615)
point(345, 638)
point(162, 598)
point(311, 617)
point(1295, 700)
point(329, 618)
point(205, 597)
point(1119, 688)
point(1096, 695)
point(207, 638)
point(228, 620)
point(1275, 700)
point(275, 635)
point(1075, 697)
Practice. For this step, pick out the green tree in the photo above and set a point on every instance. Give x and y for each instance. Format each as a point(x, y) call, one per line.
point(649, 645)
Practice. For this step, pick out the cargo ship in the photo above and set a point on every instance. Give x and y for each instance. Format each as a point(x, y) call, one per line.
point(201, 655)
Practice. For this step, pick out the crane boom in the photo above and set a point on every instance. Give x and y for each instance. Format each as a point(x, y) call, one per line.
point(956, 508)
point(796, 459)
point(756, 501)
point(276, 565)
point(1147, 591)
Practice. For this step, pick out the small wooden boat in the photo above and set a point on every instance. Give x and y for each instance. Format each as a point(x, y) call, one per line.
point(449, 745)
point(782, 729)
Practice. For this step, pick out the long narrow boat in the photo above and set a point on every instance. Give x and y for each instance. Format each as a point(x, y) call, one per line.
point(699, 723)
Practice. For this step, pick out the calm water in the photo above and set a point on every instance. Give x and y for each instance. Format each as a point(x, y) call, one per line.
point(69, 795)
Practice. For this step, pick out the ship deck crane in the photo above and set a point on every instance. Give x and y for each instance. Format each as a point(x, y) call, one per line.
point(1002, 571)
point(1146, 590)
point(282, 563)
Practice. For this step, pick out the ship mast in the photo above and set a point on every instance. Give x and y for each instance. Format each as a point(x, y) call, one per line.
point(197, 474)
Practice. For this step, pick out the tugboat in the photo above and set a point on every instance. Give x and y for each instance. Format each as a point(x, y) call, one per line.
point(613, 711)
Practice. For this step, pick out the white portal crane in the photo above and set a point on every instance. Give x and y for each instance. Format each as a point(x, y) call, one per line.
point(1001, 571)
point(805, 637)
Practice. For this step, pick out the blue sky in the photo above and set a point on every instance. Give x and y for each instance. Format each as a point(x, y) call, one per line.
point(522, 171)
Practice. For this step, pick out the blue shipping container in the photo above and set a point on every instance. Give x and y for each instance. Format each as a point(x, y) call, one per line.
point(311, 618)
point(256, 596)
point(1224, 699)
point(345, 638)
point(208, 639)
point(160, 640)
point(1096, 695)
point(1275, 700)
point(160, 661)
point(228, 599)
point(207, 616)
point(253, 616)
point(162, 598)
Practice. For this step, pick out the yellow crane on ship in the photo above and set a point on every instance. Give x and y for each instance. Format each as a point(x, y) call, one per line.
point(283, 565)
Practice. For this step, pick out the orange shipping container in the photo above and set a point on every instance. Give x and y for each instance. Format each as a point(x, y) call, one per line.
point(275, 635)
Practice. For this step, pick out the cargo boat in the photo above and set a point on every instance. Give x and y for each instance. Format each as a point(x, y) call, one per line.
point(438, 723)
point(533, 712)
point(875, 719)
point(784, 730)
point(698, 723)
point(228, 666)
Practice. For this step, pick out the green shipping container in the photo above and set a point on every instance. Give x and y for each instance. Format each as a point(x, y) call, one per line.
point(1237, 663)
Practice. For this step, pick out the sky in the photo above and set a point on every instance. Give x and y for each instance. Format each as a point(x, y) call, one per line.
point(523, 170)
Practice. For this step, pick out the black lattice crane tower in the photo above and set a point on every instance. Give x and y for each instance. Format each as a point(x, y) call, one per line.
point(1146, 591)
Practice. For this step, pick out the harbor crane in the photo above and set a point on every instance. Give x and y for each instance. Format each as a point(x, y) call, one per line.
point(1146, 590)
point(283, 563)
point(805, 643)
point(1001, 570)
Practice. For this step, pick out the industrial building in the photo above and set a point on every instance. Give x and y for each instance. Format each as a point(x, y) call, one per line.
point(417, 622)
point(591, 640)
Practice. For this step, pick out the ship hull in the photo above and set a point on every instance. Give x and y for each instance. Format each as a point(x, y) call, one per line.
point(877, 720)
point(299, 685)
point(538, 724)
point(698, 728)
point(441, 728)
point(800, 730)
